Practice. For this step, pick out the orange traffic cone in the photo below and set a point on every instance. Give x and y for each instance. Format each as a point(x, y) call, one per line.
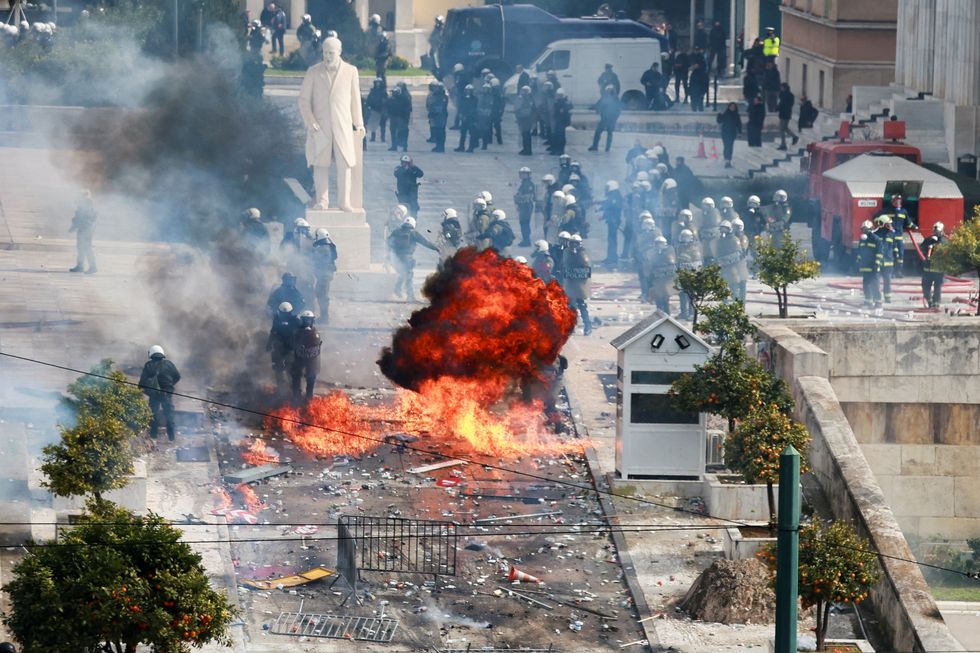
point(701, 153)
point(516, 575)
point(714, 150)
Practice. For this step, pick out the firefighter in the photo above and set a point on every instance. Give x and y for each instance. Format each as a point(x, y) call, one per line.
point(738, 231)
point(286, 292)
point(524, 201)
point(663, 273)
point(887, 252)
point(577, 280)
point(708, 231)
point(779, 216)
point(869, 263)
point(402, 243)
point(450, 233)
point(901, 221)
point(932, 280)
point(729, 255)
point(754, 220)
point(158, 380)
point(499, 233)
point(479, 222)
point(612, 214)
point(83, 224)
point(280, 341)
point(407, 176)
point(541, 261)
point(324, 265)
point(306, 355)
point(688, 258)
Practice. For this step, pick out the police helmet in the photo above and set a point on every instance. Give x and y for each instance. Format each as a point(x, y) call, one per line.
point(686, 236)
point(468, 87)
point(725, 224)
point(564, 234)
point(707, 202)
point(727, 202)
point(780, 196)
point(485, 194)
point(400, 211)
point(661, 168)
point(686, 214)
point(645, 214)
point(650, 154)
point(558, 195)
point(486, 71)
point(575, 238)
point(576, 166)
point(375, 19)
point(307, 18)
point(498, 214)
point(409, 222)
point(321, 234)
point(449, 213)
point(285, 307)
point(525, 90)
point(378, 81)
point(156, 351)
point(564, 160)
point(458, 68)
point(567, 188)
point(754, 202)
point(541, 246)
point(737, 224)
point(660, 240)
point(648, 224)
point(307, 317)
point(548, 178)
point(253, 213)
point(300, 223)
point(479, 202)
point(647, 186)
point(669, 184)
point(524, 170)
point(440, 20)
point(574, 177)
point(494, 83)
point(657, 150)
point(569, 199)
point(612, 185)
point(288, 276)
point(521, 259)
point(642, 175)
point(406, 158)
point(560, 92)
point(332, 34)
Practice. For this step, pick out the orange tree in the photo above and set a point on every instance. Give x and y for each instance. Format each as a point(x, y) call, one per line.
point(781, 267)
point(114, 582)
point(730, 383)
point(836, 566)
point(753, 448)
point(702, 285)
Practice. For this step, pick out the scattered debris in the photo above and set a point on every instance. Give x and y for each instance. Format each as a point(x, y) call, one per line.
point(295, 580)
point(434, 466)
point(732, 592)
point(252, 474)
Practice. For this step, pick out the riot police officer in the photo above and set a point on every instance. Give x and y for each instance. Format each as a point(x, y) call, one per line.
point(541, 261)
point(402, 243)
point(285, 292)
point(280, 341)
point(779, 217)
point(324, 265)
point(306, 355)
point(688, 258)
point(577, 280)
point(663, 272)
point(450, 233)
point(158, 380)
point(407, 176)
point(524, 201)
point(499, 233)
point(612, 214)
point(728, 253)
point(708, 230)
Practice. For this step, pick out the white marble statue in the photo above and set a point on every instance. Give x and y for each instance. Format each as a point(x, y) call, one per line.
point(330, 103)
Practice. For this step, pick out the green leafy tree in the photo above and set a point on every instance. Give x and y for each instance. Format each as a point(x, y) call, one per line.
point(726, 323)
point(339, 16)
point(702, 285)
point(781, 267)
point(754, 447)
point(94, 454)
point(836, 566)
point(961, 253)
point(115, 582)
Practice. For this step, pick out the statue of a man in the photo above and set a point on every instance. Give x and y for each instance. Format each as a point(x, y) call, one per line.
point(330, 103)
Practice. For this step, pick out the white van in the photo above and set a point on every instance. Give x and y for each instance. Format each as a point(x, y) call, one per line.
point(579, 62)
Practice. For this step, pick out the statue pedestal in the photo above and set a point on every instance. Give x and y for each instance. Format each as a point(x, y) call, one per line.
point(351, 233)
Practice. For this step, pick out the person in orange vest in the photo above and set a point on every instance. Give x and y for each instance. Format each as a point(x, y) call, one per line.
point(770, 44)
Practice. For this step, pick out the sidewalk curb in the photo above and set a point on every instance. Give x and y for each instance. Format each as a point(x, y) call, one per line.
point(622, 552)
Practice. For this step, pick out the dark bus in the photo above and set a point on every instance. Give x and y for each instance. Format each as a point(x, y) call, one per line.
point(500, 37)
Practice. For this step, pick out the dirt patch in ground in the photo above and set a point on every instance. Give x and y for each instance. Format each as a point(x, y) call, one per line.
point(732, 592)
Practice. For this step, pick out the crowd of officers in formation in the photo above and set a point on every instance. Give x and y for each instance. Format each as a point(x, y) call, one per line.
point(649, 225)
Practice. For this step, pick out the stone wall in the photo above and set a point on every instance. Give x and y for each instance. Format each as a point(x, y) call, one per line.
point(902, 599)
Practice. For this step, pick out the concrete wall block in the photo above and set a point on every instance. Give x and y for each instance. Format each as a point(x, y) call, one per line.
point(957, 424)
point(962, 356)
point(852, 388)
point(908, 423)
point(884, 459)
point(953, 528)
point(871, 355)
point(867, 420)
point(917, 460)
point(967, 497)
point(917, 352)
point(923, 496)
point(957, 460)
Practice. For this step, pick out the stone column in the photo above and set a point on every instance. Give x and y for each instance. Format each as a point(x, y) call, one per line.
point(902, 42)
point(964, 87)
point(925, 44)
point(940, 61)
point(296, 9)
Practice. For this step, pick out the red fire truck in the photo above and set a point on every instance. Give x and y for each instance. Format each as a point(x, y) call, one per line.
point(849, 182)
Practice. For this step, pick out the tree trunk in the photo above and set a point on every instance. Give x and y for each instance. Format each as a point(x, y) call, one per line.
point(822, 607)
point(694, 320)
point(97, 495)
point(978, 293)
point(781, 298)
point(771, 496)
point(731, 425)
